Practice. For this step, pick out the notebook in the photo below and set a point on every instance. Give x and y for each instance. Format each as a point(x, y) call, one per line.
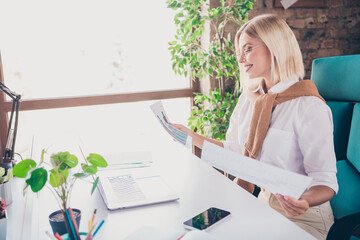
point(126, 188)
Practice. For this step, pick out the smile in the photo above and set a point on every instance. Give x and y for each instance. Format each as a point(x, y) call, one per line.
point(247, 67)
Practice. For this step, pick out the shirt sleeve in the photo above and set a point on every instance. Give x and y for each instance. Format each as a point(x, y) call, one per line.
point(232, 141)
point(315, 136)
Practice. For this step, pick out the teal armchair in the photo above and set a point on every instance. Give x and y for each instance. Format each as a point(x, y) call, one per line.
point(338, 81)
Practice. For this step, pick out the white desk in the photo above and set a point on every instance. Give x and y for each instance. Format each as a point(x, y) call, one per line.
point(199, 187)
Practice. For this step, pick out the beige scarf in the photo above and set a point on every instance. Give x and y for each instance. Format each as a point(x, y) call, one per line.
point(261, 116)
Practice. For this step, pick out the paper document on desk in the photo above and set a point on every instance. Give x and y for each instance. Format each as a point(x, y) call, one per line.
point(128, 160)
point(179, 136)
point(273, 179)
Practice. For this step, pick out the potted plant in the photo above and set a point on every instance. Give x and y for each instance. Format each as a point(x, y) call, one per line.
point(190, 57)
point(59, 174)
point(3, 219)
point(5, 188)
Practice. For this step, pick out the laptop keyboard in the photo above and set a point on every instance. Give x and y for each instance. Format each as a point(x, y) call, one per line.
point(126, 189)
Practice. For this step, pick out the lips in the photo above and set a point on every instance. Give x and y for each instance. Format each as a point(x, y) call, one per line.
point(247, 67)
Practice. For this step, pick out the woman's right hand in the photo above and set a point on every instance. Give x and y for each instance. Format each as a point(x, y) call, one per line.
point(182, 128)
point(197, 139)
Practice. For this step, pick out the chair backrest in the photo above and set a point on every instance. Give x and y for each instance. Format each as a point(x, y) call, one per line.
point(338, 81)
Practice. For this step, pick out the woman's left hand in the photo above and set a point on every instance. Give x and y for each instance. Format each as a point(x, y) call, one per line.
point(291, 206)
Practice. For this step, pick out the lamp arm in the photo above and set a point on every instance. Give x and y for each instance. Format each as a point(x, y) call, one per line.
point(13, 95)
point(11, 134)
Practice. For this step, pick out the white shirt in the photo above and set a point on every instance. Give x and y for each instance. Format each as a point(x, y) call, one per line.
point(299, 139)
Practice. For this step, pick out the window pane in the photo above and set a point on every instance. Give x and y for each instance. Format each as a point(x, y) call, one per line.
point(72, 48)
point(104, 129)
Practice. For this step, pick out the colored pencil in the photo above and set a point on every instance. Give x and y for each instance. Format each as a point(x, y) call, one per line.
point(97, 229)
point(50, 236)
point(72, 230)
point(58, 237)
point(76, 228)
point(68, 228)
point(93, 217)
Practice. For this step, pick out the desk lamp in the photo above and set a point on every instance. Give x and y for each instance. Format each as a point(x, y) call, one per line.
point(6, 161)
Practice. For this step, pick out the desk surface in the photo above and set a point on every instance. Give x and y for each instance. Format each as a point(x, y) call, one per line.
point(199, 187)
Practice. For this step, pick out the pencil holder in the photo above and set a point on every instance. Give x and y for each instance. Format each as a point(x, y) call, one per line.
point(66, 236)
point(57, 221)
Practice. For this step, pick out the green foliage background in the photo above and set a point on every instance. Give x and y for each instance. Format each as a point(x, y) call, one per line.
point(189, 58)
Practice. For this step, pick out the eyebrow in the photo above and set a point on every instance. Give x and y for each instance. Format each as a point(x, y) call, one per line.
point(246, 45)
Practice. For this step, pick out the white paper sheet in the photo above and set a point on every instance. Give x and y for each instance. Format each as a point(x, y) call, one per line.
point(128, 160)
point(160, 114)
point(273, 179)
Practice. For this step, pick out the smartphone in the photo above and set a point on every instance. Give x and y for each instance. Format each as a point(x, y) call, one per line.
point(206, 219)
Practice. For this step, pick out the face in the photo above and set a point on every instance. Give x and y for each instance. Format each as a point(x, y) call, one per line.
point(255, 58)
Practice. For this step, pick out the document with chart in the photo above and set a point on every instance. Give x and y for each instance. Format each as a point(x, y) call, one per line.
point(273, 179)
point(179, 136)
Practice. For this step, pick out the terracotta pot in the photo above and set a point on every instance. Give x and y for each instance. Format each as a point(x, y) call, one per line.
point(57, 222)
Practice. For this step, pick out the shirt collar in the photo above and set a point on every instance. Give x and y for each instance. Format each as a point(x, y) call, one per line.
point(282, 86)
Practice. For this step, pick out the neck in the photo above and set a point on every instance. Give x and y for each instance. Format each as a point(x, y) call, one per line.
point(267, 84)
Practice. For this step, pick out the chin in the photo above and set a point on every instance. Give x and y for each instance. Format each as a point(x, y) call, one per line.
point(252, 76)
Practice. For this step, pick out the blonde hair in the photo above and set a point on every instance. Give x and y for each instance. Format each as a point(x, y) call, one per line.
point(273, 31)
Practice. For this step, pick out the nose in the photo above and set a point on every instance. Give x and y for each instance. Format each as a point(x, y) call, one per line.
point(241, 58)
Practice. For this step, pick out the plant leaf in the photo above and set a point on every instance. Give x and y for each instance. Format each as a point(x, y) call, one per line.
point(58, 177)
point(71, 161)
point(5, 178)
point(42, 156)
point(8, 176)
point(81, 175)
point(22, 168)
point(37, 179)
point(94, 185)
point(64, 160)
point(96, 160)
point(89, 168)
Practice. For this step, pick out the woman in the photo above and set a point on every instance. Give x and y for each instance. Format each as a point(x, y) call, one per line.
point(281, 119)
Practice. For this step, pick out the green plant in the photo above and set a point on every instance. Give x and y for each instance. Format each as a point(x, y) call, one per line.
point(212, 121)
point(5, 178)
point(191, 58)
point(57, 173)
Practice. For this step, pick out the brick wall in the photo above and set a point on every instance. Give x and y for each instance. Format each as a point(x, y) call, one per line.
point(331, 30)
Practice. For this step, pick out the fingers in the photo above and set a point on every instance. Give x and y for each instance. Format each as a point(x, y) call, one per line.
point(292, 206)
point(286, 206)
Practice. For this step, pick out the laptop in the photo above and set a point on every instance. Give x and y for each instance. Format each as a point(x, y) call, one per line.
point(132, 187)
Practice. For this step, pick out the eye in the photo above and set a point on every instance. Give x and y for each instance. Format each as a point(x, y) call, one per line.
point(248, 49)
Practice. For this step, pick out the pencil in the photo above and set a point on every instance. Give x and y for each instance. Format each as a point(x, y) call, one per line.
point(71, 225)
point(88, 235)
point(58, 237)
point(72, 217)
point(97, 229)
point(93, 217)
point(68, 228)
point(89, 225)
point(50, 236)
